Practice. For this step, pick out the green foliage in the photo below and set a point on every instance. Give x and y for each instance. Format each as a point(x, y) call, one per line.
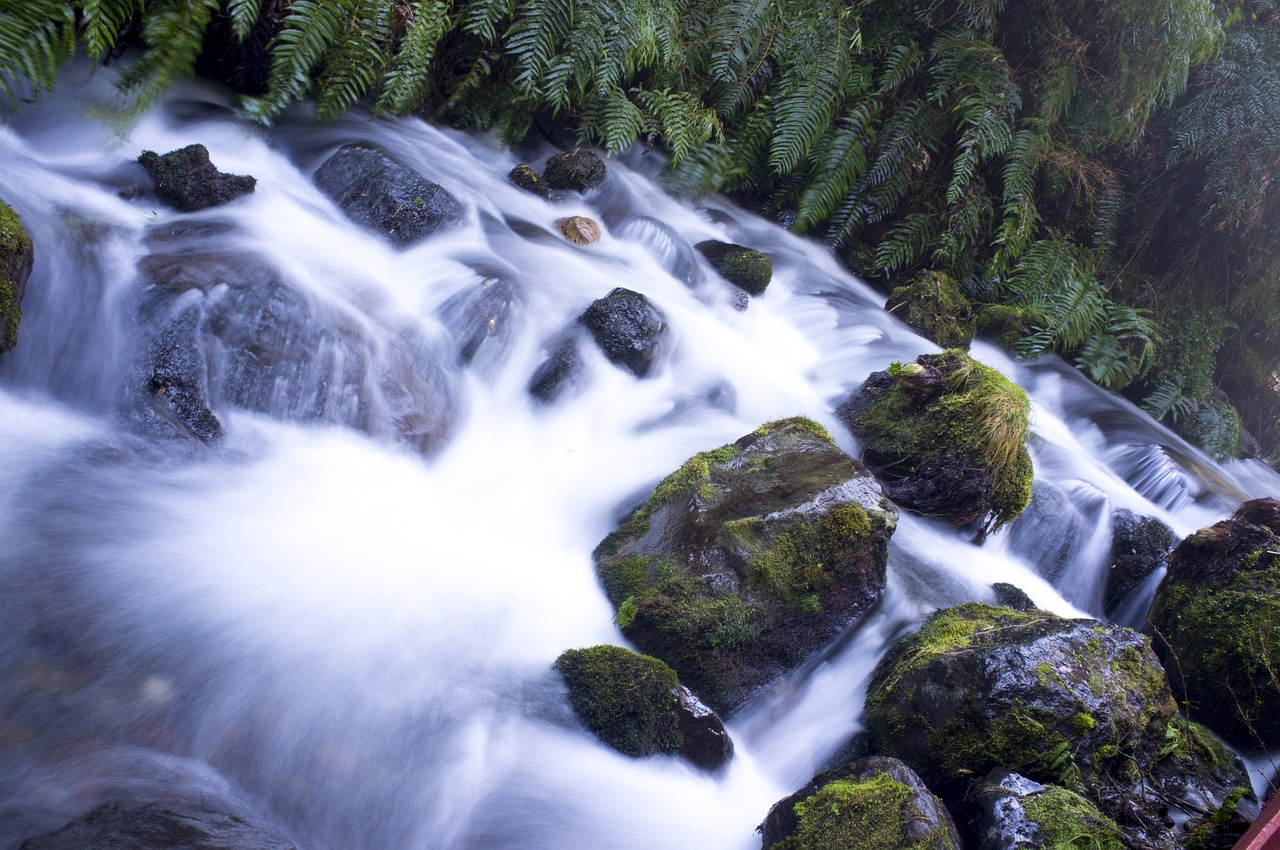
point(36, 36)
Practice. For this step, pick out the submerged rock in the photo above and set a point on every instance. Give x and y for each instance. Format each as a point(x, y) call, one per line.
point(16, 260)
point(1214, 620)
point(746, 268)
point(749, 559)
point(383, 196)
point(933, 306)
point(627, 328)
point(559, 373)
point(187, 181)
point(577, 169)
point(1139, 545)
point(946, 435)
point(636, 704)
point(873, 803)
point(157, 827)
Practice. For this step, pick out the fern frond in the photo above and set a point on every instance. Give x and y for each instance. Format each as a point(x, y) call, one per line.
point(680, 119)
point(308, 31)
point(354, 62)
point(906, 242)
point(736, 30)
point(616, 121)
point(102, 21)
point(481, 18)
point(174, 34)
point(408, 80)
point(36, 36)
point(841, 162)
point(243, 14)
point(533, 39)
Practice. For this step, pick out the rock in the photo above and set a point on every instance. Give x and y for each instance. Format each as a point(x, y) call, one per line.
point(1139, 545)
point(627, 328)
point(383, 196)
point(1047, 532)
point(157, 827)
point(526, 178)
point(1016, 813)
point(745, 268)
point(874, 803)
point(177, 377)
point(187, 181)
point(1012, 596)
point(749, 559)
point(577, 169)
point(480, 318)
point(578, 229)
point(561, 371)
point(16, 260)
point(1214, 620)
point(946, 436)
point(636, 704)
point(933, 306)
point(1005, 324)
point(1077, 703)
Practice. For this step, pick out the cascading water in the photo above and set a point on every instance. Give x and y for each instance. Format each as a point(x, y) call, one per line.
point(340, 618)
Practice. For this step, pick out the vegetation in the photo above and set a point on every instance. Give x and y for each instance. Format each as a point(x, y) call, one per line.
point(627, 700)
point(1111, 165)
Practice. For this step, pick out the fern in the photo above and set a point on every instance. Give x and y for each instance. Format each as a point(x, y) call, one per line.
point(308, 31)
point(174, 32)
point(102, 21)
point(408, 78)
point(481, 18)
point(36, 36)
point(355, 61)
point(840, 163)
point(906, 243)
point(243, 14)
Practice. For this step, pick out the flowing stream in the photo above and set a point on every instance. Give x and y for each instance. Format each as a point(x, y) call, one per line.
point(339, 620)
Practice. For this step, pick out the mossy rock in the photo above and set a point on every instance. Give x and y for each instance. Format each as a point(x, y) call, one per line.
point(577, 169)
point(186, 180)
point(980, 687)
point(874, 803)
point(1013, 811)
point(1139, 545)
point(947, 437)
point(749, 558)
point(16, 259)
point(1216, 623)
point(526, 178)
point(933, 306)
point(746, 268)
point(1005, 324)
point(636, 704)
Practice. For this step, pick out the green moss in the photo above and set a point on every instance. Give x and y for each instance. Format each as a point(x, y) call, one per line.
point(626, 699)
point(1082, 723)
point(1005, 324)
point(1069, 822)
point(746, 268)
point(801, 423)
point(15, 245)
point(934, 307)
point(869, 814)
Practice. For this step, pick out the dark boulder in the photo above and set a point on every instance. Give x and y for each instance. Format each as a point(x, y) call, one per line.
point(577, 169)
point(946, 435)
point(187, 181)
point(559, 373)
point(383, 196)
point(16, 260)
point(636, 704)
point(1012, 596)
point(1216, 622)
point(1047, 533)
point(746, 268)
point(526, 178)
point(1139, 545)
point(177, 379)
point(132, 826)
point(873, 803)
point(933, 306)
point(1011, 812)
point(749, 559)
point(627, 328)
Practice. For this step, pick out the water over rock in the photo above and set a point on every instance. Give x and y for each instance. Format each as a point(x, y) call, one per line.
point(1011, 812)
point(1215, 619)
point(1139, 545)
point(186, 180)
point(749, 558)
point(874, 803)
point(116, 826)
point(383, 196)
point(16, 260)
point(628, 328)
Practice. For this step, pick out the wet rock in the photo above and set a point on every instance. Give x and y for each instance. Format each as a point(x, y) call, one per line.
point(177, 377)
point(1012, 812)
point(749, 559)
point(627, 328)
point(383, 196)
point(1012, 596)
point(526, 178)
point(1139, 545)
point(946, 436)
point(578, 229)
point(746, 268)
point(636, 704)
point(1214, 621)
point(559, 373)
point(16, 260)
point(187, 181)
point(577, 169)
point(1047, 532)
point(933, 306)
point(157, 827)
point(480, 319)
point(874, 803)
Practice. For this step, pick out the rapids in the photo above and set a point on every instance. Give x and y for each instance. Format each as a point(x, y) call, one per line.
point(348, 639)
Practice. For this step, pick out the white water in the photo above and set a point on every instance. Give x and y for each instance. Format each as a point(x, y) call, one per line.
point(350, 641)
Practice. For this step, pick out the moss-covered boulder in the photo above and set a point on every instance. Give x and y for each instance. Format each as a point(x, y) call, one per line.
point(947, 437)
point(187, 181)
point(1216, 624)
point(874, 803)
point(526, 178)
point(1005, 324)
point(933, 306)
point(628, 329)
point(1077, 703)
point(1139, 545)
point(746, 268)
point(1011, 811)
point(636, 704)
point(16, 260)
point(576, 169)
point(749, 558)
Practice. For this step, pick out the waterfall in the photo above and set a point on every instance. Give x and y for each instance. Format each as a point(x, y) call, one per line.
point(340, 618)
